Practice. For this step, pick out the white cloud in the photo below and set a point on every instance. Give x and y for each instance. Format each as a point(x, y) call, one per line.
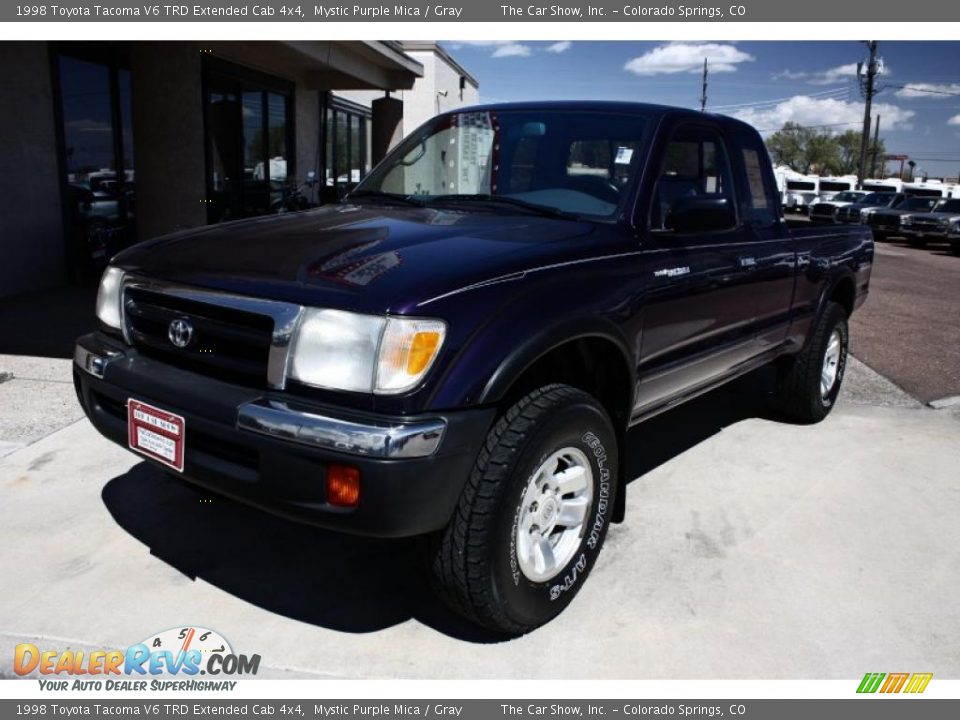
point(559, 47)
point(501, 48)
point(929, 90)
point(833, 76)
point(511, 50)
point(955, 120)
point(688, 57)
point(810, 111)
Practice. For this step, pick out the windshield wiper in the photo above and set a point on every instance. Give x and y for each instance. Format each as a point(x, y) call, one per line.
point(388, 197)
point(506, 200)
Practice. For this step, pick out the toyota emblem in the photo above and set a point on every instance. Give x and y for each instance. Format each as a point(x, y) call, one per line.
point(180, 332)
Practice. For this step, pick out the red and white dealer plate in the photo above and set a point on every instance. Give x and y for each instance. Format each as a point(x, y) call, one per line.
point(156, 433)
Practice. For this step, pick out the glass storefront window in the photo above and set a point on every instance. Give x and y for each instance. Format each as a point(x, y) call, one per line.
point(96, 133)
point(346, 144)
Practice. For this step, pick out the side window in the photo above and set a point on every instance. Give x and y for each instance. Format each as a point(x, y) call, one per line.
point(696, 164)
point(760, 207)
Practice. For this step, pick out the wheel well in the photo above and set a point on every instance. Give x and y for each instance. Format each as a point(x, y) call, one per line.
point(598, 367)
point(844, 293)
point(593, 364)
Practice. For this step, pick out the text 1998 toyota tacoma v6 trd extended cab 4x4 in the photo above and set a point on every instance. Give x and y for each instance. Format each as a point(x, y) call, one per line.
point(459, 348)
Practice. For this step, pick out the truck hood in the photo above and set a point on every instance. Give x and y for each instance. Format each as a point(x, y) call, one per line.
point(367, 258)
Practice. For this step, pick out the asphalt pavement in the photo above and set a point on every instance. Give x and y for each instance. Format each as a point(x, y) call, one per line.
point(909, 328)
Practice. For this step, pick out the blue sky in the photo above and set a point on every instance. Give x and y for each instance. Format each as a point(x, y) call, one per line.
point(765, 83)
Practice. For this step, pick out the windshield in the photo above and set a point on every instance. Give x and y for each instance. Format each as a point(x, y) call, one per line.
point(576, 162)
point(948, 206)
point(831, 185)
point(800, 185)
point(877, 199)
point(847, 197)
point(918, 203)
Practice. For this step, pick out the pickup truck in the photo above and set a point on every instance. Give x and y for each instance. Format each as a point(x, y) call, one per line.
point(459, 349)
point(935, 225)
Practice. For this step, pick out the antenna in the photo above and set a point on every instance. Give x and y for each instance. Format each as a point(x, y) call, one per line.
point(703, 92)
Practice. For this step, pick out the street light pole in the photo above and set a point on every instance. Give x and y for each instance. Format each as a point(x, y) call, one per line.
point(865, 137)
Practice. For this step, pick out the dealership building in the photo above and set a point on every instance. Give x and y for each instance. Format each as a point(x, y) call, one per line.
point(108, 143)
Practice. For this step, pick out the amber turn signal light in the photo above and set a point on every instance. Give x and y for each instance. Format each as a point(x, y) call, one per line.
point(343, 485)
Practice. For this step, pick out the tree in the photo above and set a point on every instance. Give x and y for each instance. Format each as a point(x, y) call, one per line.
point(807, 150)
point(788, 146)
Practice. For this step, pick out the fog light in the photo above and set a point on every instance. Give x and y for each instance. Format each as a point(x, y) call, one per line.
point(343, 485)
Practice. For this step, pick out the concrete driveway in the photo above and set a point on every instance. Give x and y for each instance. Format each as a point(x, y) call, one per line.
point(752, 549)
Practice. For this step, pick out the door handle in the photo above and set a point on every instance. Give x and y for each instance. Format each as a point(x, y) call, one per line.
point(747, 262)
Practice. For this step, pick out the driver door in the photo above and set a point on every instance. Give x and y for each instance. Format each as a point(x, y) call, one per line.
point(699, 310)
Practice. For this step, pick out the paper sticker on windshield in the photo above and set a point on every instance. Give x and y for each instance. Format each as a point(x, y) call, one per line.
point(624, 155)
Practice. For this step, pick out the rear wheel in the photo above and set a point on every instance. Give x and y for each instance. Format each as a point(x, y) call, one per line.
point(533, 515)
point(810, 383)
point(916, 242)
point(879, 236)
point(955, 247)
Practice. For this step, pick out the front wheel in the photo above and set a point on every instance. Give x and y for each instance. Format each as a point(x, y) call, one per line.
point(955, 247)
point(533, 515)
point(810, 382)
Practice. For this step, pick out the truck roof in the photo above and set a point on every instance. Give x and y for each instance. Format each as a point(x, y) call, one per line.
point(602, 106)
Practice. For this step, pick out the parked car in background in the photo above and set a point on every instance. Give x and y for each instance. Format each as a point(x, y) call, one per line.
point(460, 348)
point(800, 192)
point(829, 187)
point(953, 236)
point(884, 185)
point(826, 211)
point(919, 229)
point(885, 222)
point(859, 211)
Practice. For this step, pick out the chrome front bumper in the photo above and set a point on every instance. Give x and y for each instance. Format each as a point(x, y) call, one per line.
point(288, 421)
point(299, 423)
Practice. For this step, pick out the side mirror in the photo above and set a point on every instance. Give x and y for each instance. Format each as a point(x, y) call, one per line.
point(701, 214)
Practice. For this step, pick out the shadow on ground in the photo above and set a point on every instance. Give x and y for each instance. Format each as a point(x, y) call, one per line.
point(345, 583)
point(47, 323)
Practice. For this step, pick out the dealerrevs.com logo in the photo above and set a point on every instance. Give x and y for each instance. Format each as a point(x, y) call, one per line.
point(169, 660)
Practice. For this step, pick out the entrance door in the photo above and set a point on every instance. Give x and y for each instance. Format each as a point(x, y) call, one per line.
point(249, 141)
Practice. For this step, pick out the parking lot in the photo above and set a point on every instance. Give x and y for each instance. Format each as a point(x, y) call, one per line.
point(752, 548)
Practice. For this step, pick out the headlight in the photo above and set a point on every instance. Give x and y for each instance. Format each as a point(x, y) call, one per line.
point(364, 353)
point(865, 213)
point(956, 227)
point(906, 220)
point(108, 297)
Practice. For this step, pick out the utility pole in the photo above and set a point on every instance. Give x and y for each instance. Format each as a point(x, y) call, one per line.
point(703, 92)
point(876, 147)
point(868, 94)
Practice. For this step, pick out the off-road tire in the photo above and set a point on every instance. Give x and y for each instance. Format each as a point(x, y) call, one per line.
point(473, 563)
point(799, 394)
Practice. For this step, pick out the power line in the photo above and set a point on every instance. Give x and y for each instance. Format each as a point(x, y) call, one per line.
point(759, 103)
point(913, 88)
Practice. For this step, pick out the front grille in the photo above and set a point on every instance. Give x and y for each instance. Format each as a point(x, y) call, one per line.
point(888, 221)
point(822, 210)
point(927, 225)
point(228, 344)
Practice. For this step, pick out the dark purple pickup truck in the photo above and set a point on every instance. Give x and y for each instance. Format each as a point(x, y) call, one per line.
point(459, 349)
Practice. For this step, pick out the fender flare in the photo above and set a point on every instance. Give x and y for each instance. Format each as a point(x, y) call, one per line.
point(551, 338)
